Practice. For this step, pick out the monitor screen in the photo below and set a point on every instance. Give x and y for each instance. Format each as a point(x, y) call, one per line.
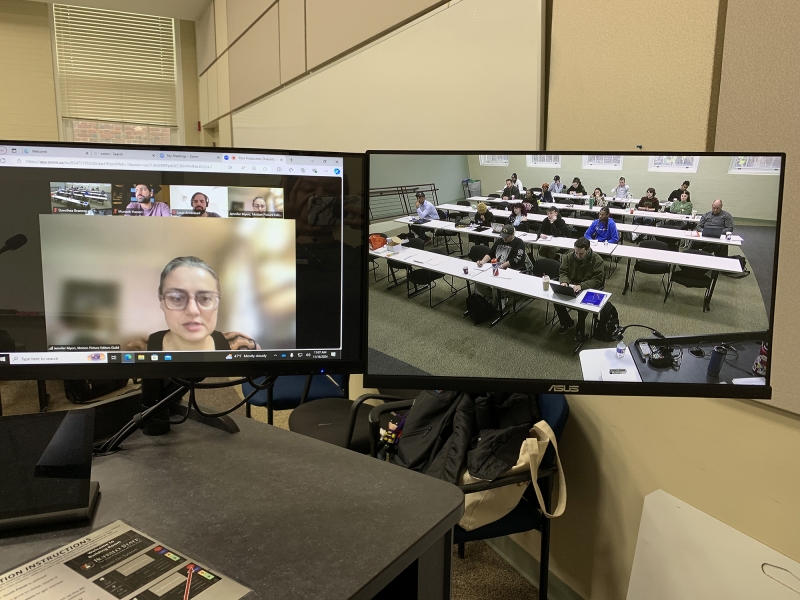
point(573, 272)
point(154, 261)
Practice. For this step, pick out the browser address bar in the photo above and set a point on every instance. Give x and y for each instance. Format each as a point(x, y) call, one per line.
point(123, 164)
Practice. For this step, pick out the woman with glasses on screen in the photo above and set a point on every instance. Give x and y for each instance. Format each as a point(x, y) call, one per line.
point(189, 296)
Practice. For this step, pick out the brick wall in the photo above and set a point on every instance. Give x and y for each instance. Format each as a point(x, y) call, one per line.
point(98, 132)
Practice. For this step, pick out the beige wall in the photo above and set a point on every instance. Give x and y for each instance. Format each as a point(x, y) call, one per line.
point(189, 81)
point(738, 461)
point(289, 37)
point(27, 91)
point(623, 73)
point(410, 90)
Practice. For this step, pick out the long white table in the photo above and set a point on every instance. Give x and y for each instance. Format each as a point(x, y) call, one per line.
point(507, 280)
point(715, 264)
point(687, 235)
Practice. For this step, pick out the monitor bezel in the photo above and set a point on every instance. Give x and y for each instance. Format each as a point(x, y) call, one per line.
point(193, 370)
point(483, 384)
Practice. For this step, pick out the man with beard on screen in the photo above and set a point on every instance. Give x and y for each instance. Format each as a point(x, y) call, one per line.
point(200, 206)
point(144, 205)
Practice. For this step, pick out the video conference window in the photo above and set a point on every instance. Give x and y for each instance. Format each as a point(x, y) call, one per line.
point(690, 255)
point(255, 202)
point(233, 263)
point(215, 284)
point(80, 198)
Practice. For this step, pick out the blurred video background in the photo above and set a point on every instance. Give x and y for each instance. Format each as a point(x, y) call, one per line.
point(101, 276)
point(240, 199)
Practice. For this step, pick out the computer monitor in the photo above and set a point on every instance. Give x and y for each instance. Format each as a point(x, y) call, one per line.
point(677, 306)
point(152, 262)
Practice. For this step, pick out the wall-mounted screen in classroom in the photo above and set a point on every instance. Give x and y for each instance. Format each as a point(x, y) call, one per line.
point(131, 261)
point(573, 272)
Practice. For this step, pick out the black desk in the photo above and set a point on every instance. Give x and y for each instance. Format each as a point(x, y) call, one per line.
point(693, 368)
point(283, 514)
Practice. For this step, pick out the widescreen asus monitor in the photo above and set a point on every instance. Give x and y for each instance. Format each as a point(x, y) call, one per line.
point(131, 261)
point(668, 263)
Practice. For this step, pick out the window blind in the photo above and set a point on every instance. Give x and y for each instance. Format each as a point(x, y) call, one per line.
point(115, 66)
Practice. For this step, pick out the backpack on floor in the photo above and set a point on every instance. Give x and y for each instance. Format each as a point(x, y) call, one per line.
point(607, 323)
point(480, 309)
point(743, 261)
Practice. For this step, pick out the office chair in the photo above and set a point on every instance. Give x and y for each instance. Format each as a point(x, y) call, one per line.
point(373, 260)
point(340, 421)
point(651, 267)
point(460, 215)
point(393, 265)
point(447, 234)
point(554, 410)
point(424, 279)
point(692, 277)
point(290, 391)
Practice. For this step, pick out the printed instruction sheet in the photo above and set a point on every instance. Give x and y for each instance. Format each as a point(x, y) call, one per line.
point(117, 562)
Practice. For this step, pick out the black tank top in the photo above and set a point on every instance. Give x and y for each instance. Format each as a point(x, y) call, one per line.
point(155, 342)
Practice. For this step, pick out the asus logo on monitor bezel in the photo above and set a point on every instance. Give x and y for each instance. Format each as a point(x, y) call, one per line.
point(569, 389)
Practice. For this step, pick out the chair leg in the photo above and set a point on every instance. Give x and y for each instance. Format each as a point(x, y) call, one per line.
point(544, 549)
point(248, 411)
point(270, 408)
point(461, 550)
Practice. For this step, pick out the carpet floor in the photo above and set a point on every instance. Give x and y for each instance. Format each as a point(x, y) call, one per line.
point(407, 336)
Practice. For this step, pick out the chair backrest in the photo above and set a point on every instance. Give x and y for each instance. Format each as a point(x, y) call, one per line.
point(493, 196)
point(554, 410)
point(546, 266)
point(288, 389)
point(463, 202)
point(442, 216)
point(416, 243)
point(438, 251)
point(502, 206)
point(478, 251)
point(654, 245)
point(535, 189)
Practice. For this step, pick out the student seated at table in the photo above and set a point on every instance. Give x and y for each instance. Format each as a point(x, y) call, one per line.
point(603, 229)
point(717, 218)
point(683, 206)
point(483, 217)
point(598, 198)
point(576, 189)
point(622, 191)
point(554, 226)
point(531, 203)
point(556, 187)
point(509, 251)
point(511, 191)
point(425, 210)
point(581, 269)
point(519, 216)
point(517, 182)
point(546, 196)
point(648, 203)
point(676, 194)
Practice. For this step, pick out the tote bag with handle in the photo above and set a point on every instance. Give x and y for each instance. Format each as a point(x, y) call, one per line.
point(482, 508)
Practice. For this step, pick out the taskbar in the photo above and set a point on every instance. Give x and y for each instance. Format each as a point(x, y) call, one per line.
point(115, 358)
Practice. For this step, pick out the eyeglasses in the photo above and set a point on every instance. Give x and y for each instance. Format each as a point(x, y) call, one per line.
point(179, 300)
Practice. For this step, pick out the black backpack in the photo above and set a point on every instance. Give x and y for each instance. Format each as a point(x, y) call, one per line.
point(480, 309)
point(743, 261)
point(607, 323)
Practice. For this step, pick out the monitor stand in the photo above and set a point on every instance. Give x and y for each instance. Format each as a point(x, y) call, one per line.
point(83, 513)
point(47, 460)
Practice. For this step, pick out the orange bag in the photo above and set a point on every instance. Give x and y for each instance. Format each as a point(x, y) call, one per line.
point(376, 241)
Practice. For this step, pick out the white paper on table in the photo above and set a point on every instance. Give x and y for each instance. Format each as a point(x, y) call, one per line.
point(438, 260)
point(681, 552)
